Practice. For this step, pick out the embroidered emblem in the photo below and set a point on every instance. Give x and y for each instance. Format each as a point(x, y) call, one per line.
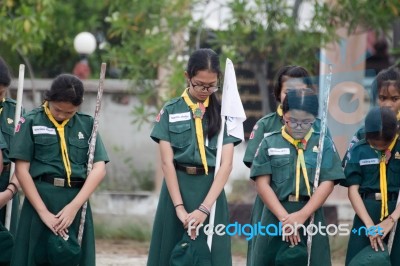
point(10, 121)
point(252, 135)
point(159, 115)
point(315, 149)
point(80, 135)
point(397, 155)
point(199, 111)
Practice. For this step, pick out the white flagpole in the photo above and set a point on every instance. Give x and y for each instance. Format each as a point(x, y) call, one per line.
point(231, 107)
point(217, 165)
point(16, 120)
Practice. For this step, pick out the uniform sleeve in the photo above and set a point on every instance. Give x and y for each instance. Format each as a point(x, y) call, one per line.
point(256, 136)
point(352, 170)
point(100, 153)
point(230, 139)
point(22, 146)
point(262, 162)
point(160, 129)
point(3, 143)
point(331, 169)
point(356, 138)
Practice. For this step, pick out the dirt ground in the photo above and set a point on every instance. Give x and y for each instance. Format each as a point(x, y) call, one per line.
point(132, 253)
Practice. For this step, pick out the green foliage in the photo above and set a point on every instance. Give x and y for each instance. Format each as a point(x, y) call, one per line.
point(138, 231)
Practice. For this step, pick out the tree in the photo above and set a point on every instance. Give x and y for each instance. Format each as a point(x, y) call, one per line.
point(265, 34)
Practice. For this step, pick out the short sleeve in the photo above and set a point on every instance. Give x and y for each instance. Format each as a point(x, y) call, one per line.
point(100, 153)
point(160, 129)
point(3, 143)
point(262, 162)
point(352, 170)
point(331, 169)
point(256, 136)
point(22, 146)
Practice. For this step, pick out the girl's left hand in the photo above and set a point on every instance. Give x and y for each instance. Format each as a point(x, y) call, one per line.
point(385, 227)
point(65, 217)
point(193, 220)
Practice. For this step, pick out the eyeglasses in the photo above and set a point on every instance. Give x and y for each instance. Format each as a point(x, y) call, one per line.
point(302, 125)
point(210, 88)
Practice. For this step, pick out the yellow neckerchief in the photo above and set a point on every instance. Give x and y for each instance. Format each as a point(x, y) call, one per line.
point(279, 110)
point(385, 156)
point(63, 144)
point(300, 146)
point(198, 110)
point(398, 116)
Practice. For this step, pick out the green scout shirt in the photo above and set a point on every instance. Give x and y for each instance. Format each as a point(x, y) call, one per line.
point(7, 124)
point(362, 168)
point(36, 140)
point(359, 135)
point(175, 124)
point(264, 127)
point(277, 157)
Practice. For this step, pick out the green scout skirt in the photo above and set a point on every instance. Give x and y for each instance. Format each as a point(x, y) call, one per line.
point(32, 234)
point(255, 217)
point(4, 179)
point(267, 247)
point(168, 229)
point(358, 242)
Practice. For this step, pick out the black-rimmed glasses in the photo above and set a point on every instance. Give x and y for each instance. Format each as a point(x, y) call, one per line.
point(302, 125)
point(211, 88)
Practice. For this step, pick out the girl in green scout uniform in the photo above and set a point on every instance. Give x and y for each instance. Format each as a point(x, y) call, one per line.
point(7, 125)
point(386, 91)
point(50, 150)
point(284, 171)
point(186, 129)
point(293, 77)
point(372, 175)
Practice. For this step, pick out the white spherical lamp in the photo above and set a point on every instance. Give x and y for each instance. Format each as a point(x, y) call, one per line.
point(85, 43)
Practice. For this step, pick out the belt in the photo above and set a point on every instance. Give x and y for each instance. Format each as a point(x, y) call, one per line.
point(193, 170)
point(392, 196)
point(6, 167)
point(62, 182)
point(292, 198)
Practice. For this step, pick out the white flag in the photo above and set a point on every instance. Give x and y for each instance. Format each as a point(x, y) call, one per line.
point(232, 106)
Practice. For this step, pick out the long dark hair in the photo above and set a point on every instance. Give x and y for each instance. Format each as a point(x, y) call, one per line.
point(66, 88)
point(5, 76)
point(301, 99)
point(380, 124)
point(207, 59)
point(288, 72)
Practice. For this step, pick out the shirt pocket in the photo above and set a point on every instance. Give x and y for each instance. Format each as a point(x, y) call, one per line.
point(47, 147)
point(393, 170)
point(311, 165)
point(180, 134)
point(78, 150)
point(280, 169)
point(370, 174)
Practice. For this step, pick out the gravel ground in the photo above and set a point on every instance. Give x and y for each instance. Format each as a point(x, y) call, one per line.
point(126, 252)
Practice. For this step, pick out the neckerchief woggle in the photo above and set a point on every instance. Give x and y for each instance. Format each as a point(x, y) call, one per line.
point(198, 110)
point(383, 160)
point(300, 146)
point(63, 144)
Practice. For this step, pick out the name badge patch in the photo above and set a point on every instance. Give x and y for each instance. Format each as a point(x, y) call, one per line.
point(369, 161)
point(274, 151)
point(179, 117)
point(43, 130)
